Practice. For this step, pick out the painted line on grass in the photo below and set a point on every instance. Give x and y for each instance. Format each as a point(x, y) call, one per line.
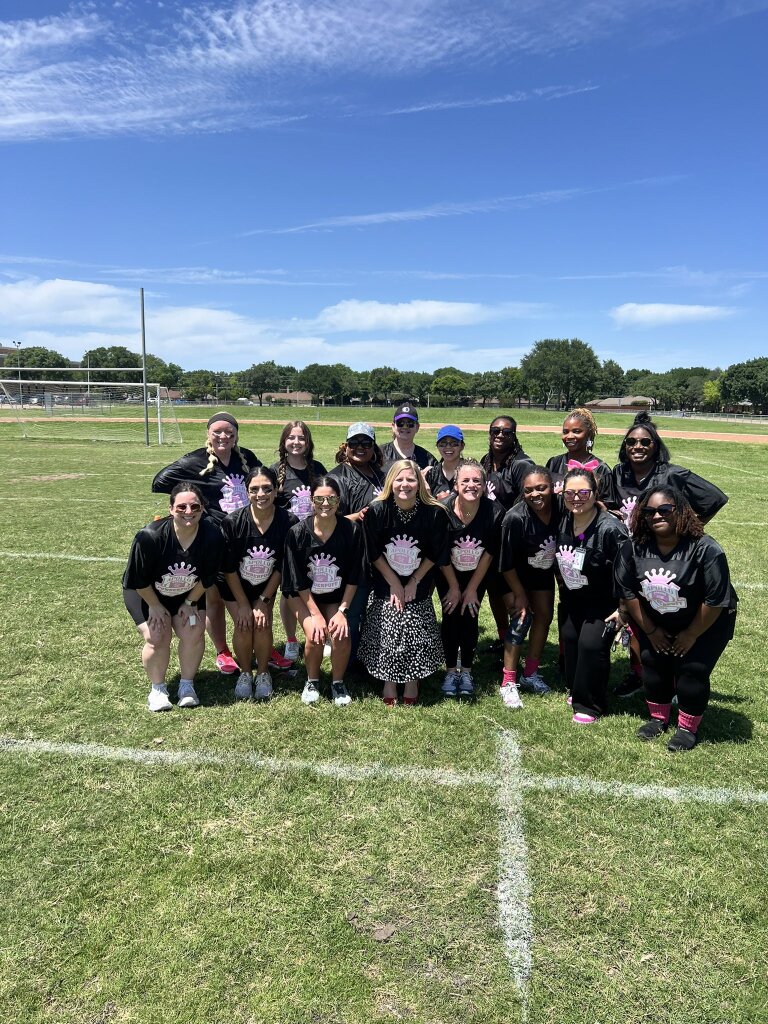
point(724, 465)
point(750, 586)
point(60, 558)
point(403, 773)
point(97, 501)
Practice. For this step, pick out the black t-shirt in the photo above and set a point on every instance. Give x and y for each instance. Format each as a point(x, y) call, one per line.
point(705, 498)
point(404, 545)
point(253, 555)
point(158, 560)
point(671, 588)
point(295, 494)
point(324, 567)
point(357, 489)
point(528, 546)
point(468, 542)
point(559, 465)
point(585, 563)
point(438, 482)
point(420, 456)
point(505, 485)
point(223, 488)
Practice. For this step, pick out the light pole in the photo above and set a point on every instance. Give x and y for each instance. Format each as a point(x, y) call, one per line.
point(17, 346)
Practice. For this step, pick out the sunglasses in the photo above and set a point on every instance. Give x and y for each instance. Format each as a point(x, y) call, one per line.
point(583, 493)
point(365, 443)
point(189, 506)
point(408, 424)
point(448, 443)
point(665, 511)
point(330, 501)
point(633, 442)
point(504, 431)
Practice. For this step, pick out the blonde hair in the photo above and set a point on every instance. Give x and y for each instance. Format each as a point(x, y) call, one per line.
point(212, 459)
point(471, 464)
point(394, 470)
point(586, 417)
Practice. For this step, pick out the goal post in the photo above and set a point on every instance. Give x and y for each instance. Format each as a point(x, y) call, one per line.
point(88, 410)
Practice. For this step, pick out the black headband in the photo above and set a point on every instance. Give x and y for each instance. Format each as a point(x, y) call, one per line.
point(218, 417)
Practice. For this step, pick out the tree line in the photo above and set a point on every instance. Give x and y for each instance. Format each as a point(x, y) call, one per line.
point(557, 372)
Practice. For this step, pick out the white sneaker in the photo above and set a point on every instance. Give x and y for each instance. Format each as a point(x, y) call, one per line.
point(263, 689)
point(244, 686)
point(340, 694)
point(158, 699)
point(535, 683)
point(310, 694)
point(187, 698)
point(511, 696)
point(292, 650)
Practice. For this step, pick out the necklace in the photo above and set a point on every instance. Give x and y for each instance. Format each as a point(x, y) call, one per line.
point(405, 515)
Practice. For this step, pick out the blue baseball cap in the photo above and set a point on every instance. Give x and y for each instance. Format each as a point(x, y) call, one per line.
point(449, 430)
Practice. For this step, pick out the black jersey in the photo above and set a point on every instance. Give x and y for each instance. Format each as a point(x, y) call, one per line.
point(528, 546)
point(559, 465)
point(585, 561)
point(672, 588)
point(420, 456)
point(253, 555)
point(505, 485)
point(439, 484)
point(404, 545)
point(468, 542)
point(295, 494)
point(158, 560)
point(704, 497)
point(223, 488)
point(357, 489)
point(324, 567)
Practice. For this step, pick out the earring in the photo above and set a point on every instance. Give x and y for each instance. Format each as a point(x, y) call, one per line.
point(590, 444)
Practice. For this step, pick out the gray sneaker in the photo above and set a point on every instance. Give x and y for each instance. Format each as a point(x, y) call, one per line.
point(340, 695)
point(187, 698)
point(466, 684)
point(244, 686)
point(535, 684)
point(263, 689)
point(450, 685)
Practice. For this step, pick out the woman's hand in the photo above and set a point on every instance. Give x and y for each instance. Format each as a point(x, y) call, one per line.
point(683, 642)
point(470, 602)
point(409, 590)
point(397, 596)
point(315, 629)
point(242, 617)
point(452, 599)
point(158, 617)
point(338, 627)
point(516, 603)
point(660, 641)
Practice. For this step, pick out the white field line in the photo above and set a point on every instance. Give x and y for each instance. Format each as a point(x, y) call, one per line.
point(96, 501)
point(749, 586)
point(724, 465)
point(733, 522)
point(49, 556)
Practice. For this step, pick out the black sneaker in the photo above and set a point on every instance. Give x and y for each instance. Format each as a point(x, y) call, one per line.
point(651, 729)
point(682, 740)
point(629, 686)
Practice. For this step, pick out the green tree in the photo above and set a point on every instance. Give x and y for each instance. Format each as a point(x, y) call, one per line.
point(561, 370)
point(746, 382)
point(262, 377)
point(611, 383)
point(198, 384)
point(486, 385)
point(36, 355)
point(322, 381)
point(711, 395)
point(512, 386)
point(385, 381)
point(112, 355)
point(168, 375)
point(450, 384)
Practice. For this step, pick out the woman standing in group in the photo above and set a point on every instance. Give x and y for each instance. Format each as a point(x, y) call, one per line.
point(441, 477)
point(323, 565)
point(505, 465)
point(588, 542)
point(254, 542)
point(579, 433)
point(473, 543)
point(172, 565)
point(527, 562)
point(297, 470)
point(675, 584)
point(219, 470)
point(406, 534)
point(405, 427)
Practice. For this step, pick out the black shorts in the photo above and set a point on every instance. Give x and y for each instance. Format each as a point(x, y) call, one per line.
point(138, 609)
point(251, 592)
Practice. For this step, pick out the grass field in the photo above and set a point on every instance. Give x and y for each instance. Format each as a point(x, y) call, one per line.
point(277, 864)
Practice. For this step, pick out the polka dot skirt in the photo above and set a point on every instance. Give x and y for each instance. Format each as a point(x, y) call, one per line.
point(398, 646)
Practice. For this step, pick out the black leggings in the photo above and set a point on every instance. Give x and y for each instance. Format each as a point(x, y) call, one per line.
point(587, 658)
point(459, 631)
point(663, 673)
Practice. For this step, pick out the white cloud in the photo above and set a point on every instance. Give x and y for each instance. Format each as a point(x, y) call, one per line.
point(548, 92)
point(665, 314)
point(419, 314)
point(31, 302)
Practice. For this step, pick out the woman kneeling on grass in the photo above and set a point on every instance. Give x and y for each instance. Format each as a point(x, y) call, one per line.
point(676, 586)
point(406, 536)
point(255, 540)
point(323, 564)
point(172, 563)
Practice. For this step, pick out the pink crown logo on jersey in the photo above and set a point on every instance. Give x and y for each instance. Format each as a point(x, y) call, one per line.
point(258, 564)
point(402, 553)
point(233, 493)
point(661, 593)
point(570, 563)
point(627, 508)
point(301, 502)
point(324, 573)
point(466, 554)
point(179, 579)
point(545, 556)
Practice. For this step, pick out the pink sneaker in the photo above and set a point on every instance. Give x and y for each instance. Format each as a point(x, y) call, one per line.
point(581, 719)
point(276, 660)
point(226, 664)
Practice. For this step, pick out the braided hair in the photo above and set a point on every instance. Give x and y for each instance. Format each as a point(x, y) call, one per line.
point(587, 420)
point(487, 460)
point(309, 454)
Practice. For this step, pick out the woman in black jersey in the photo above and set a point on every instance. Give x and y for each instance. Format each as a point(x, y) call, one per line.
point(406, 536)
point(254, 539)
point(405, 427)
point(505, 465)
point(219, 470)
point(527, 562)
point(172, 564)
point(441, 477)
point(675, 584)
point(323, 564)
point(579, 433)
point(296, 469)
point(473, 540)
point(588, 542)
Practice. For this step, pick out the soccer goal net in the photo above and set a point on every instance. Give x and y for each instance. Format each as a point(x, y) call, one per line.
point(79, 410)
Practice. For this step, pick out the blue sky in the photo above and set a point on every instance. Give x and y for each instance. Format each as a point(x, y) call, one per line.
point(404, 182)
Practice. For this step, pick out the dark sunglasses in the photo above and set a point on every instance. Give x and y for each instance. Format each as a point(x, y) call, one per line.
point(320, 501)
point(406, 423)
point(188, 506)
point(633, 442)
point(360, 443)
point(583, 493)
point(665, 511)
point(448, 442)
point(504, 431)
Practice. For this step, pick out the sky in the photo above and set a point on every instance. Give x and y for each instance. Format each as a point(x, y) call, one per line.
point(412, 183)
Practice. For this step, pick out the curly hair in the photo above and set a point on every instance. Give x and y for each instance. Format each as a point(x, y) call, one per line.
point(309, 454)
point(644, 420)
point(487, 460)
point(684, 521)
point(342, 459)
point(587, 420)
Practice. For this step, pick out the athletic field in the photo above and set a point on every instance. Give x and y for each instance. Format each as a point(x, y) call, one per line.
point(278, 864)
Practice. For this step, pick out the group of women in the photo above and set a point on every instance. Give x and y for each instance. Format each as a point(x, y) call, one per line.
point(358, 552)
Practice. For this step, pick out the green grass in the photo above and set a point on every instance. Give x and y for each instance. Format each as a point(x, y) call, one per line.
point(229, 893)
